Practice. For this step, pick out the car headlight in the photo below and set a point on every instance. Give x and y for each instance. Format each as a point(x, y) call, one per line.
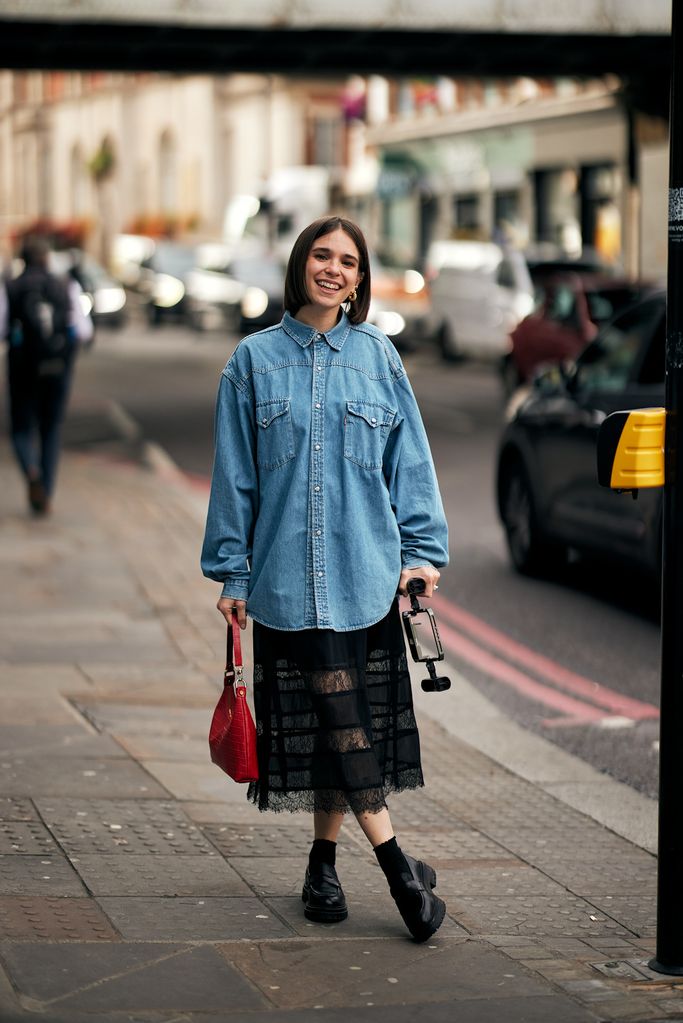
point(413, 282)
point(389, 322)
point(85, 303)
point(254, 303)
point(109, 300)
point(167, 291)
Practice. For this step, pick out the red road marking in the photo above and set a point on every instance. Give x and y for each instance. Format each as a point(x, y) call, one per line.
point(524, 684)
point(548, 669)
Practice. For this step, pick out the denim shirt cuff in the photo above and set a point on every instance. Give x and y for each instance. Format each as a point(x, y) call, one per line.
point(412, 562)
point(238, 589)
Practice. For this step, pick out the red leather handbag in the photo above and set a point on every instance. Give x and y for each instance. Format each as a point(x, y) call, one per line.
point(232, 737)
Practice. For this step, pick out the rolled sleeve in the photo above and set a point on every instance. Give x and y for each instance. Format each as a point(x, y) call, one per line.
point(226, 551)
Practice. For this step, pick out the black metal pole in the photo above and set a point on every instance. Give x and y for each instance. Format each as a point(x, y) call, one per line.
point(669, 956)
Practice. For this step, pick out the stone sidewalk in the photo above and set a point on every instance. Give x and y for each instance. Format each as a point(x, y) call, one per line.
point(136, 883)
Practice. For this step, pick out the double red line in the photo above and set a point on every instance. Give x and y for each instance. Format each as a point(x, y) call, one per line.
point(578, 700)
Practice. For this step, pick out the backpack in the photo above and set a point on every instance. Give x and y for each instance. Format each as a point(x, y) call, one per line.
point(39, 307)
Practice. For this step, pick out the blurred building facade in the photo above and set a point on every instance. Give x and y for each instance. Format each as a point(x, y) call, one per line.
point(547, 164)
point(556, 162)
point(97, 154)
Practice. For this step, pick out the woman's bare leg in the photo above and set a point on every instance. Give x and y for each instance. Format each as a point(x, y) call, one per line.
point(376, 827)
point(327, 825)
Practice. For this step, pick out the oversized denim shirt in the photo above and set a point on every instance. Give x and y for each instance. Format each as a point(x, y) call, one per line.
point(323, 484)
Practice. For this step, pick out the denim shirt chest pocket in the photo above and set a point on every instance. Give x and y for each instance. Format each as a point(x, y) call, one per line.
point(366, 429)
point(275, 437)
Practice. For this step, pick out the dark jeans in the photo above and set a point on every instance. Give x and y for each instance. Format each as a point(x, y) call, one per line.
point(37, 402)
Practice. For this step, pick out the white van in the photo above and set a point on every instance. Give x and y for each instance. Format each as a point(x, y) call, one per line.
point(479, 293)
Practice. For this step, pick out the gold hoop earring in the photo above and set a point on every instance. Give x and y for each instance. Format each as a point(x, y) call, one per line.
point(353, 295)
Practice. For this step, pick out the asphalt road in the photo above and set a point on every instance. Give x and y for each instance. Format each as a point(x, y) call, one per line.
point(558, 656)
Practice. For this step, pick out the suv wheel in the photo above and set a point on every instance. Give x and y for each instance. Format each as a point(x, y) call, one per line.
point(530, 552)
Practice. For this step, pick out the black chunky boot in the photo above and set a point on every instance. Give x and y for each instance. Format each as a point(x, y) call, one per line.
point(323, 898)
point(422, 911)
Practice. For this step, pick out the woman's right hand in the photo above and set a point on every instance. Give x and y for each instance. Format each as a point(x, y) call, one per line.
point(225, 606)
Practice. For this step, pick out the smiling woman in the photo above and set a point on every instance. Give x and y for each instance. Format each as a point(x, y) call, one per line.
point(329, 265)
point(324, 503)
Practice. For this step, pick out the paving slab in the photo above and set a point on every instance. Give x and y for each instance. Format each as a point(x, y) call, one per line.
point(564, 915)
point(185, 749)
point(133, 719)
point(267, 839)
point(193, 919)
point(79, 776)
point(26, 710)
point(36, 678)
point(39, 875)
point(637, 912)
point(58, 741)
point(159, 875)
point(129, 977)
point(17, 808)
point(234, 811)
point(75, 637)
point(25, 838)
point(32, 918)
point(338, 973)
point(187, 780)
point(93, 829)
point(137, 677)
point(511, 878)
point(447, 845)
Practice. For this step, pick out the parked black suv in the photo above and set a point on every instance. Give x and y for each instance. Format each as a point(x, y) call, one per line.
point(548, 495)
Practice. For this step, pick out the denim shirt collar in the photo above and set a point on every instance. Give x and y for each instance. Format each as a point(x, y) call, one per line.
point(303, 334)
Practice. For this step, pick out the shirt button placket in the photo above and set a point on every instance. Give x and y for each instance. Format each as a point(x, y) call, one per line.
point(317, 539)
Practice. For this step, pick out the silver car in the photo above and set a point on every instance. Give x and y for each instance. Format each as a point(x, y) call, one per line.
point(479, 293)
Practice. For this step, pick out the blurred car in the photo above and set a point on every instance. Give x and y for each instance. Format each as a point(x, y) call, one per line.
point(573, 308)
point(400, 303)
point(479, 293)
point(103, 297)
point(548, 495)
point(163, 277)
point(128, 253)
point(243, 294)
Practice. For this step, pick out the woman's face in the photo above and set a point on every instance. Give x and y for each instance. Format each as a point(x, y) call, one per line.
point(332, 270)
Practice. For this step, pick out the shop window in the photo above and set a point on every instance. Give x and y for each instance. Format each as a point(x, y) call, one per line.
point(466, 213)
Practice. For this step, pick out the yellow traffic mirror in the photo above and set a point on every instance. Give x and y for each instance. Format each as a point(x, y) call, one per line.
point(631, 449)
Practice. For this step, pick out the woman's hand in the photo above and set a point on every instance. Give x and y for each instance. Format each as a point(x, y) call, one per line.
point(430, 575)
point(225, 606)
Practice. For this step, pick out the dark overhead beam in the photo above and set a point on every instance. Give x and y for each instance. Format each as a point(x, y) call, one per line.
point(69, 45)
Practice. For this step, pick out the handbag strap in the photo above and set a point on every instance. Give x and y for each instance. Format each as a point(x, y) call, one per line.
point(233, 657)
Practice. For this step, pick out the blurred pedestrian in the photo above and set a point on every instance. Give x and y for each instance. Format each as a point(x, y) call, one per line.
point(44, 325)
point(324, 503)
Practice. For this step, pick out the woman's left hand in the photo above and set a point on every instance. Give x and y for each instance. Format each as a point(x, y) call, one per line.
point(430, 575)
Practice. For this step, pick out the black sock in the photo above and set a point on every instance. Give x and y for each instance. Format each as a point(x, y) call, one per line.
point(391, 860)
point(322, 851)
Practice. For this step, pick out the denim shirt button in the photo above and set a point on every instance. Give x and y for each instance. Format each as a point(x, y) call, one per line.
point(318, 532)
point(373, 421)
point(320, 574)
point(316, 488)
point(317, 447)
point(318, 405)
point(319, 369)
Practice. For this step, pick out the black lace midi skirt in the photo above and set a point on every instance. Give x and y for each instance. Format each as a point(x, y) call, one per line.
point(334, 718)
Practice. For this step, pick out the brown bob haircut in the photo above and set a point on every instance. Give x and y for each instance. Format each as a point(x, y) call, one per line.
point(295, 287)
